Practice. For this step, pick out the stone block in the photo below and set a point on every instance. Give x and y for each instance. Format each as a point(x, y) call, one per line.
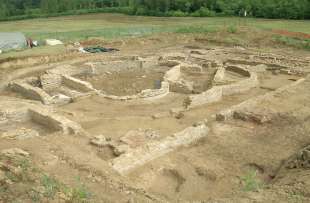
point(77, 84)
point(31, 92)
point(54, 121)
point(50, 82)
point(207, 97)
point(144, 154)
point(182, 86)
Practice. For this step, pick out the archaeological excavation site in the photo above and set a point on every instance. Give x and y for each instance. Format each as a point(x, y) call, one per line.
point(191, 122)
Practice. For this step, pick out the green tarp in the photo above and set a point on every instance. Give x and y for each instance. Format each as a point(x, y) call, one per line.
point(99, 49)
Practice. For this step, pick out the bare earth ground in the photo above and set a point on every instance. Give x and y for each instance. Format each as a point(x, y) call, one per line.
point(238, 161)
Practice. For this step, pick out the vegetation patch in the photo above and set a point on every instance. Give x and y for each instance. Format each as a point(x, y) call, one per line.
point(251, 182)
point(196, 29)
point(293, 42)
point(232, 29)
point(21, 181)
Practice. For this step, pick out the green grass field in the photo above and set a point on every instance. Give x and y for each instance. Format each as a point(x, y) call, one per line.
point(111, 26)
point(70, 28)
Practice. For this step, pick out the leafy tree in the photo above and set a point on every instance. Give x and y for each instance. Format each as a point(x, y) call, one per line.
point(289, 9)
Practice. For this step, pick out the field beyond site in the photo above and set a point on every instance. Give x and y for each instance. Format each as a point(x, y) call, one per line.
point(186, 109)
point(228, 30)
point(70, 28)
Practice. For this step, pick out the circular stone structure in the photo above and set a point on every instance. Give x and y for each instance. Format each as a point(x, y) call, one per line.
point(149, 77)
point(142, 116)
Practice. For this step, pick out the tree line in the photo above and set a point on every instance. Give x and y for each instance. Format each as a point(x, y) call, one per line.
point(287, 9)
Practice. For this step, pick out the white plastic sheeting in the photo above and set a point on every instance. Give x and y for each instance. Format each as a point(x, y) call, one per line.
point(12, 40)
point(53, 42)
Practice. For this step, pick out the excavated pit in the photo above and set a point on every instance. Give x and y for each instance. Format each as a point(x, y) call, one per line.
point(125, 78)
point(137, 115)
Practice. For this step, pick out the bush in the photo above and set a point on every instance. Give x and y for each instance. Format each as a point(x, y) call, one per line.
point(177, 13)
point(37, 13)
point(232, 29)
point(203, 12)
point(251, 182)
point(141, 11)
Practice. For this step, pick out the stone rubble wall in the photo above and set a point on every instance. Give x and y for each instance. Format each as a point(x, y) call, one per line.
point(77, 84)
point(17, 110)
point(64, 75)
point(31, 92)
point(175, 56)
point(190, 68)
point(210, 96)
point(155, 93)
point(144, 94)
point(206, 61)
point(34, 81)
point(13, 115)
point(219, 75)
point(98, 68)
point(229, 113)
point(171, 76)
point(54, 121)
point(300, 160)
point(50, 82)
point(182, 86)
point(144, 154)
point(216, 93)
point(70, 70)
point(255, 62)
point(238, 69)
point(8, 116)
point(169, 63)
point(241, 86)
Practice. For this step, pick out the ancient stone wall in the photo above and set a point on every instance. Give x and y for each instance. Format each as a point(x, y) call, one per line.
point(50, 82)
point(241, 86)
point(215, 94)
point(190, 68)
point(70, 70)
point(229, 113)
point(212, 95)
point(219, 75)
point(54, 121)
point(140, 156)
point(77, 84)
point(173, 74)
point(155, 93)
point(13, 115)
point(238, 69)
point(98, 68)
point(31, 92)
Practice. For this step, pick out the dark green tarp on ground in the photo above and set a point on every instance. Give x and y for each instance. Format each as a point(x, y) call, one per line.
point(99, 49)
point(12, 40)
